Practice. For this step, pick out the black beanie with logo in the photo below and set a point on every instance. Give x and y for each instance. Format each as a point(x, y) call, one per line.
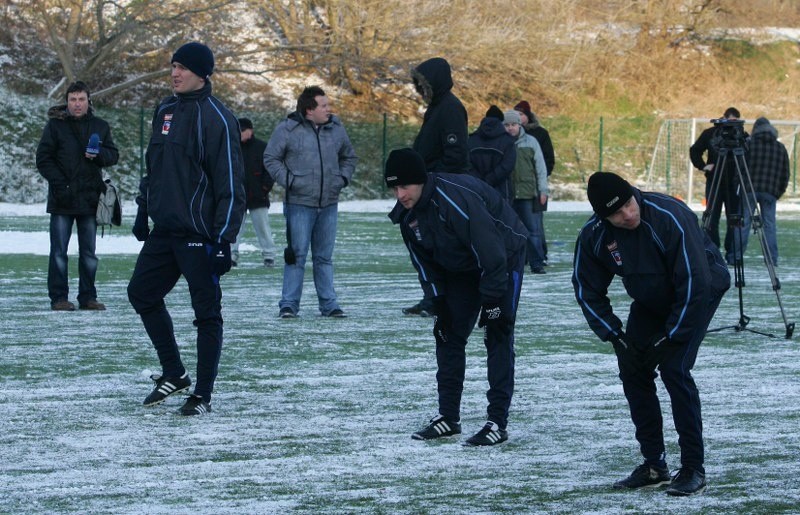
point(607, 193)
point(404, 166)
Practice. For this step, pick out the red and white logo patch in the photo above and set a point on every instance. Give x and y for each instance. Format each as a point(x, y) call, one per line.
point(167, 124)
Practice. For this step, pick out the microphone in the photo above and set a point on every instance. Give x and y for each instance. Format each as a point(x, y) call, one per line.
point(94, 144)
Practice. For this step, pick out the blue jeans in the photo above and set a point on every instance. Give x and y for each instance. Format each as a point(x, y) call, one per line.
point(533, 222)
point(766, 207)
point(60, 234)
point(315, 228)
point(260, 217)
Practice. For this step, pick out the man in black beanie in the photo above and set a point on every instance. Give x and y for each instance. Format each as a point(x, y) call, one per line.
point(468, 247)
point(194, 192)
point(676, 277)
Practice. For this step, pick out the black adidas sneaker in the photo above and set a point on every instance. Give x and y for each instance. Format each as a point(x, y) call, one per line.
point(439, 427)
point(490, 434)
point(195, 405)
point(166, 386)
point(644, 476)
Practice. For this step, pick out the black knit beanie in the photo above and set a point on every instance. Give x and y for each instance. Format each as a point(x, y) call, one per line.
point(196, 57)
point(607, 193)
point(404, 166)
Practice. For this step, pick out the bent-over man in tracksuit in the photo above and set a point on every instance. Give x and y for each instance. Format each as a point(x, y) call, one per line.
point(676, 277)
point(468, 247)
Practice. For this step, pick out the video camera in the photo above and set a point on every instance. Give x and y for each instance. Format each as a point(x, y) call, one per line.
point(730, 132)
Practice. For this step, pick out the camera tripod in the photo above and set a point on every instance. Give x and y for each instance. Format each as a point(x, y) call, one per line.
point(746, 199)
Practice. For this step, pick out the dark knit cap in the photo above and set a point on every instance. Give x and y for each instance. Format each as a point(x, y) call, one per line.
point(196, 57)
point(404, 166)
point(607, 193)
point(245, 123)
point(523, 106)
point(494, 112)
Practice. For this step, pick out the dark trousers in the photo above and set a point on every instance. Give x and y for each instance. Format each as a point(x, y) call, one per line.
point(674, 363)
point(726, 195)
point(464, 305)
point(161, 262)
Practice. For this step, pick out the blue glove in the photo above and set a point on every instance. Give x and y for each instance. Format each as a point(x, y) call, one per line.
point(220, 256)
point(141, 226)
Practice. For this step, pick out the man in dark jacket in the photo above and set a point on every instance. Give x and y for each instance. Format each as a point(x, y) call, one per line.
point(442, 139)
point(257, 185)
point(74, 148)
point(768, 163)
point(707, 144)
point(492, 154)
point(676, 277)
point(468, 247)
point(194, 193)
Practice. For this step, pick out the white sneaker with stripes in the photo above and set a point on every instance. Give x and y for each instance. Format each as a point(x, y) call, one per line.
point(490, 434)
point(439, 427)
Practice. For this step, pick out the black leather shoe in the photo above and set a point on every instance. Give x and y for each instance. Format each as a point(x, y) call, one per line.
point(687, 482)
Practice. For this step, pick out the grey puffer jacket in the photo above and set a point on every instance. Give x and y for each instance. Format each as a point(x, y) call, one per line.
point(315, 162)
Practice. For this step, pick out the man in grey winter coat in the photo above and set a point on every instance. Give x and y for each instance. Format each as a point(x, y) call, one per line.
point(73, 169)
point(310, 155)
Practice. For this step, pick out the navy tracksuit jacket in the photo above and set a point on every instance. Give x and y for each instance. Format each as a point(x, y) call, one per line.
point(194, 192)
point(676, 277)
point(468, 245)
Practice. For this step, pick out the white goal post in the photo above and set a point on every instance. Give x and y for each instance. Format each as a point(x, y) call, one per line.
point(671, 170)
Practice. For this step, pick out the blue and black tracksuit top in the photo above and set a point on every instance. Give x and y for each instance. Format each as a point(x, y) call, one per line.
point(667, 264)
point(195, 176)
point(461, 224)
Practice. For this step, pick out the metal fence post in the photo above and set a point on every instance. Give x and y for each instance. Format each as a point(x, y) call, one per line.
point(600, 160)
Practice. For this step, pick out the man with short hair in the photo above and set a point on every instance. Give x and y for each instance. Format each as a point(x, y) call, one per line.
point(468, 247)
point(676, 277)
point(310, 155)
point(75, 147)
point(708, 144)
point(257, 185)
point(194, 192)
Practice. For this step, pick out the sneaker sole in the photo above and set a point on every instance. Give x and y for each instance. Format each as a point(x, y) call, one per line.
point(419, 437)
point(677, 493)
point(617, 486)
point(156, 403)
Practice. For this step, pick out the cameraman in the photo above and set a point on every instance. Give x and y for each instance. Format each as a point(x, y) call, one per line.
point(708, 143)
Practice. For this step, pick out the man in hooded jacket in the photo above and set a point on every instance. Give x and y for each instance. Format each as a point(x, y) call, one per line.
point(768, 163)
point(492, 153)
point(442, 139)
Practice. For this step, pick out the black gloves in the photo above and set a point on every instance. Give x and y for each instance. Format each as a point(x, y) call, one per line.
point(141, 226)
point(491, 314)
point(442, 319)
point(220, 257)
point(625, 349)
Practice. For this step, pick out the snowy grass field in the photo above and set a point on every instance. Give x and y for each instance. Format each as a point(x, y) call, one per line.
point(314, 415)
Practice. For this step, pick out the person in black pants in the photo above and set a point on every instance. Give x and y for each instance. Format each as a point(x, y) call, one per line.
point(194, 192)
point(676, 277)
point(442, 139)
point(468, 247)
